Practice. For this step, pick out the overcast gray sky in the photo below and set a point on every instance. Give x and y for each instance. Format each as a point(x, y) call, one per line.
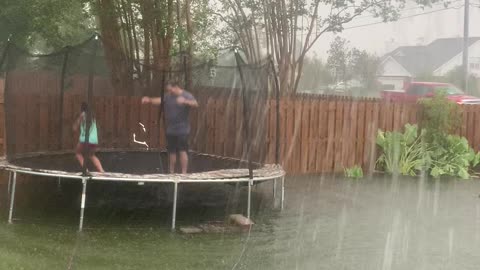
point(418, 26)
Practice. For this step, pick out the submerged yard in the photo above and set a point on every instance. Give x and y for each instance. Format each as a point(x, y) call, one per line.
point(329, 223)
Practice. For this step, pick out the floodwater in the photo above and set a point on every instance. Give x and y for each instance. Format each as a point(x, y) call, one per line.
point(329, 223)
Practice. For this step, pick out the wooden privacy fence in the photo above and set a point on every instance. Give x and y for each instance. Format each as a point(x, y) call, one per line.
point(41, 117)
point(329, 134)
point(36, 125)
point(318, 134)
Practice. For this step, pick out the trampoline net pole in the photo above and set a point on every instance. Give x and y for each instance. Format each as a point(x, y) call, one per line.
point(61, 98)
point(90, 102)
point(277, 111)
point(246, 114)
point(161, 116)
point(4, 54)
point(9, 137)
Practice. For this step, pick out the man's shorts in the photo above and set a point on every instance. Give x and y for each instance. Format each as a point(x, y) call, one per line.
point(177, 143)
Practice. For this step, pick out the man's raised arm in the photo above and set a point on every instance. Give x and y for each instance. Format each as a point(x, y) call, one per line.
point(152, 100)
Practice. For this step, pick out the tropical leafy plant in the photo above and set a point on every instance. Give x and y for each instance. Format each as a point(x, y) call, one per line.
point(408, 153)
point(403, 153)
point(452, 157)
point(355, 172)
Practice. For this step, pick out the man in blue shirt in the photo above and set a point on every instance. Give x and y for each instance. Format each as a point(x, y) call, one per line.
point(177, 106)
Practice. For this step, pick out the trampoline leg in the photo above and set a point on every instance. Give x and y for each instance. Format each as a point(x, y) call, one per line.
point(59, 183)
point(249, 203)
point(82, 204)
point(274, 189)
point(12, 197)
point(174, 210)
point(10, 174)
point(283, 193)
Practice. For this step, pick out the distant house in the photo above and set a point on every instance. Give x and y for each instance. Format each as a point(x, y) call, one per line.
point(437, 58)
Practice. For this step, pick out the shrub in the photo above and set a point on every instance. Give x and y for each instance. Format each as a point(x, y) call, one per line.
point(408, 153)
point(403, 153)
point(355, 172)
point(440, 117)
point(452, 157)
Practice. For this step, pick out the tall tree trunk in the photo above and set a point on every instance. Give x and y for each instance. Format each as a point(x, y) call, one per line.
point(179, 24)
point(188, 20)
point(162, 41)
point(146, 10)
point(121, 78)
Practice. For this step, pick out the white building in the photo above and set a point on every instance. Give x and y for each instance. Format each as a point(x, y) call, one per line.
point(437, 59)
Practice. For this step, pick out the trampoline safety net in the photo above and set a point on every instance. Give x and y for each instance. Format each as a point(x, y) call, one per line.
point(236, 116)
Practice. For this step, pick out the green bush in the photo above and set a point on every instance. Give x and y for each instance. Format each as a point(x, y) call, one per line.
point(355, 172)
point(439, 117)
point(434, 150)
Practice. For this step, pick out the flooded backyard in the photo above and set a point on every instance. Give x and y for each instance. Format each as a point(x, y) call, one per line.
point(329, 223)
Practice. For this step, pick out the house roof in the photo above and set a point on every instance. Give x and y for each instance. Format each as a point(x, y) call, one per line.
point(425, 59)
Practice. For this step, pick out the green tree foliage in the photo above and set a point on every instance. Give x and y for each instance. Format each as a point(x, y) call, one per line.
point(45, 25)
point(205, 41)
point(347, 63)
point(315, 75)
point(272, 27)
point(339, 58)
point(365, 67)
point(138, 33)
point(439, 116)
point(455, 77)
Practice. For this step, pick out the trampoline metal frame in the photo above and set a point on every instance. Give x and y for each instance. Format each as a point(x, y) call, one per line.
point(14, 172)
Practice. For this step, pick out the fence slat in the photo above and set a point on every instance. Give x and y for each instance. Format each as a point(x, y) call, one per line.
point(314, 136)
point(304, 136)
point(323, 127)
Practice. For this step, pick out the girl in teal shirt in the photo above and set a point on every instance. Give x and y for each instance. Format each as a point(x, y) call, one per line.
point(83, 147)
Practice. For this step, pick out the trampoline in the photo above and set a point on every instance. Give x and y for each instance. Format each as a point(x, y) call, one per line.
point(142, 166)
point(230, 140)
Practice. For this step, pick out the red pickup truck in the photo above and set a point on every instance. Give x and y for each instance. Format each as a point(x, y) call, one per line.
point(417, 90)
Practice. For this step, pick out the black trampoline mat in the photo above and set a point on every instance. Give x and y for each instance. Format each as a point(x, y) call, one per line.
point(128, 162)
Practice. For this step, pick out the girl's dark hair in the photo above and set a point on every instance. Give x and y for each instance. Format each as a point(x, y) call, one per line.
point(84, 107)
